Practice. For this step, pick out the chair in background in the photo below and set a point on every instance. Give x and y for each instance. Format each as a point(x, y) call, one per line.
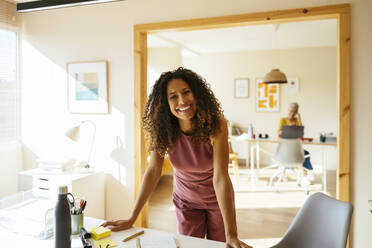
point(289, 155)
point(321, 222)
point(233, 157)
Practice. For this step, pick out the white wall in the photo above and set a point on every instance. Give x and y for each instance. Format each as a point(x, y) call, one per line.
point(161, 59)
point(317, 96)
point(361, 122)
point(44, 93)
point(10, 165)
point(105, 31)
point(318, 85)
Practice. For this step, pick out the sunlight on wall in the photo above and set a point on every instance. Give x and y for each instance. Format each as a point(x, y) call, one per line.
point(46, 119)
point(152, 76)
point(43, 114)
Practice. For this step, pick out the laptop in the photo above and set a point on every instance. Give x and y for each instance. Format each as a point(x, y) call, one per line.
point(292, 132)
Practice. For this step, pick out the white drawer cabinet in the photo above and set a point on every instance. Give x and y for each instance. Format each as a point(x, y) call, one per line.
point(87, 185)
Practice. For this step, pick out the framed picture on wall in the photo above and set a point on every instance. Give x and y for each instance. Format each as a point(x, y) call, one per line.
point(267, 96)
point(293, 85)
point(87, 87)
point(241, 88)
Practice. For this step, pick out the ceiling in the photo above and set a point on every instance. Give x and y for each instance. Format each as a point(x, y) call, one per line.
point(250, 38)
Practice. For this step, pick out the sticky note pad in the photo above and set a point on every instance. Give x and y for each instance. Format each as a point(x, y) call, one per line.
point(105, 243)
point(100, 232)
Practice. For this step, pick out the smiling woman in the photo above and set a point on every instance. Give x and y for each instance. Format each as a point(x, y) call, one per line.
point(182, 103)
point(177, 97)
point(184, 119)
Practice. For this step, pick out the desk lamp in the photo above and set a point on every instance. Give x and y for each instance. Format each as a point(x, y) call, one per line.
point(74, 134)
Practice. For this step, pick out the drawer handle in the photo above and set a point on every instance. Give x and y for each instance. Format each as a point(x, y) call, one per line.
point(43, 188)
point(43, 179)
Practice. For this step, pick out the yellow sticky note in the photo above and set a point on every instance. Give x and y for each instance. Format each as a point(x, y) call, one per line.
point(104, 242)
point(100, 232)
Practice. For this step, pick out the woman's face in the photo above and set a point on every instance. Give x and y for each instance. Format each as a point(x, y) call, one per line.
point(181, 101)
point(292, 111)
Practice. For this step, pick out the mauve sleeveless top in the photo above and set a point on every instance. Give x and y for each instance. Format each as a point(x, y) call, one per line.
point(193, 171)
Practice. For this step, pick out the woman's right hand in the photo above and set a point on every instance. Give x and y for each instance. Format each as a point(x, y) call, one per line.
point(118, 225)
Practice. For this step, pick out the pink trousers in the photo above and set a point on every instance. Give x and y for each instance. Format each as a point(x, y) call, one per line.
point(199, 221)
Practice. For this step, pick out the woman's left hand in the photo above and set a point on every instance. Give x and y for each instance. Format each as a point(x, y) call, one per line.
point(236, 243)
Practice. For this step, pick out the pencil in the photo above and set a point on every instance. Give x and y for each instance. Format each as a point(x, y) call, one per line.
point(133, 235)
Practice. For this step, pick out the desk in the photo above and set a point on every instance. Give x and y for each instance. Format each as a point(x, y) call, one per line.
point(13, 240)
point(88, 185)
point(255, 144)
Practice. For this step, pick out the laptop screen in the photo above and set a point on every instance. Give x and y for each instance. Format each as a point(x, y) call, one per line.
point(292, 132)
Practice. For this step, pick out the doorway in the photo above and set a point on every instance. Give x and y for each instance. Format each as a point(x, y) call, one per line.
point(339, 12)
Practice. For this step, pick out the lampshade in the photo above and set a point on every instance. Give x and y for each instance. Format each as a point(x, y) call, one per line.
point(275, 77)
point(119, 154)
point(73, 133)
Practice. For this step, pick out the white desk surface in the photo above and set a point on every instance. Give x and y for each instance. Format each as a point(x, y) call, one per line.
point(314, 142)
point(16, 240)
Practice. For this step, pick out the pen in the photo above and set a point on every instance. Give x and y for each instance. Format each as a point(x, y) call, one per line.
point(83, 207)
point(134, 235)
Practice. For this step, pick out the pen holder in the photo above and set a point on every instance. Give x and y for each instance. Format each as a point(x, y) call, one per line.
point(77, 222)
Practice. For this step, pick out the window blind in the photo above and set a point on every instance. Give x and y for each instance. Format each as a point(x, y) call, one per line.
point(9, 86)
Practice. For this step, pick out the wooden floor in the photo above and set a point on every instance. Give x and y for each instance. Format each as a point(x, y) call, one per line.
point(263, 214)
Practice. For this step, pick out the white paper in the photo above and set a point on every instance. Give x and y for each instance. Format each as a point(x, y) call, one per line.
point(158, 242)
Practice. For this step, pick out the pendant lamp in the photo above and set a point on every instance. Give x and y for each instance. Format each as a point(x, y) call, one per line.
point(275, 76)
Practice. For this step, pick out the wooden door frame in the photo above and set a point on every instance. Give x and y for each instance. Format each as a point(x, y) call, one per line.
point(341, 12)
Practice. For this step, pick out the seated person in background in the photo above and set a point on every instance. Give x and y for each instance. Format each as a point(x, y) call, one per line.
point(294, 119)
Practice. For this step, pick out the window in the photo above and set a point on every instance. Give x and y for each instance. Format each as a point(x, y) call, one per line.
point(9, 96)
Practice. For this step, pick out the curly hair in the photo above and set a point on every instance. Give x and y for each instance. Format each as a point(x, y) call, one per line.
point(162, 127)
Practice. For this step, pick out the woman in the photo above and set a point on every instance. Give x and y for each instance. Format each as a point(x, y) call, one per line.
point(184, 119)
point(294, 119)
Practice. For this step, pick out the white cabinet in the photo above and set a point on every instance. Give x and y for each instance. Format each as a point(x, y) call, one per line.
point(87, 185)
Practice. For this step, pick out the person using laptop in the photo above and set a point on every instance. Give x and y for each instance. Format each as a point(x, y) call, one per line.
point(294, 119)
